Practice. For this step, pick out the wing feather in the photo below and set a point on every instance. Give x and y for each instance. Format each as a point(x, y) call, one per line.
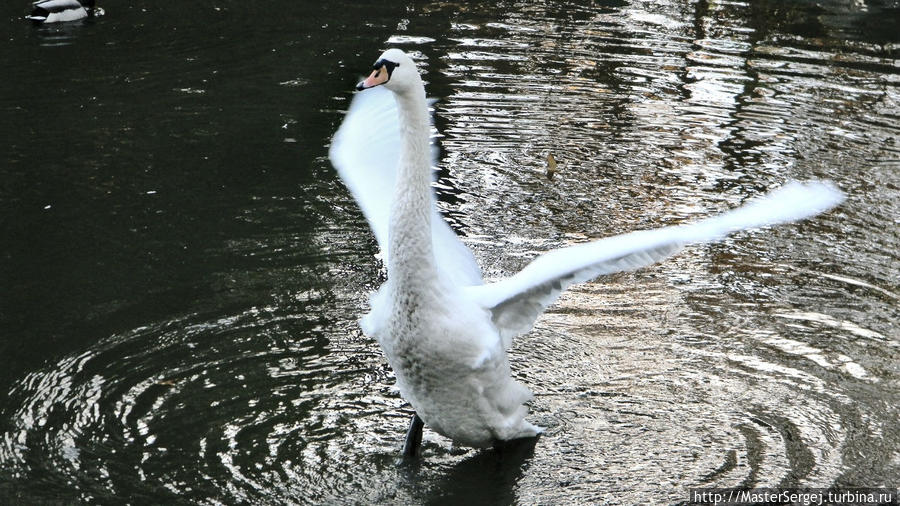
point(365, 151)
point(516, 302)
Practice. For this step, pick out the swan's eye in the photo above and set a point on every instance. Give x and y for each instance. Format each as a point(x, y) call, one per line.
point(386, 65)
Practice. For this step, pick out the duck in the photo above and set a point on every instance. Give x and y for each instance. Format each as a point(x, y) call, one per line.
point(443, 329)
point(58, 11)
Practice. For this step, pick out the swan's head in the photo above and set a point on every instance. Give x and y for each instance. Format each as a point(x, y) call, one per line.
point(395, 71)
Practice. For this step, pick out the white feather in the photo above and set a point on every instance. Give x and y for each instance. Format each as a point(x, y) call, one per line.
point(444, 333)
point(365, 151)
point(517, 301)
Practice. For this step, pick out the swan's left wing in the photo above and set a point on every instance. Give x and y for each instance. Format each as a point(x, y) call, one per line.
point(365, 151)
point(516, 302)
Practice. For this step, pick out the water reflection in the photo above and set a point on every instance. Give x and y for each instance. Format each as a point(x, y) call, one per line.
point(198, 271)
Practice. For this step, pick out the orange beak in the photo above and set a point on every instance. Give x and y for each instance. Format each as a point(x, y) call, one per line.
point(377, 77)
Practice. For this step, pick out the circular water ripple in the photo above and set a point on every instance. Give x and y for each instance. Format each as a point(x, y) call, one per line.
point(261, 404)
point(635, 401)
point(260, 407)
point(650, 399)
point(768, 360)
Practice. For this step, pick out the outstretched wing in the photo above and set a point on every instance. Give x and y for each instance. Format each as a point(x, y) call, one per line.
point(516, 302)
point(365, 151)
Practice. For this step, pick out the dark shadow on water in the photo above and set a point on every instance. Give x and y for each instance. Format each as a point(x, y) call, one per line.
point(489, 477)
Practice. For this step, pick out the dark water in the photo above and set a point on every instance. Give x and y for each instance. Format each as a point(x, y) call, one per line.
point(182, 272)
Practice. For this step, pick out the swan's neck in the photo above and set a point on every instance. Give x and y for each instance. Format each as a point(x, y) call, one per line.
point(411, 264)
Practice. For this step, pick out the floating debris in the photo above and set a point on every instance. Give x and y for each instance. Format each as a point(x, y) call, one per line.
point(551, 166)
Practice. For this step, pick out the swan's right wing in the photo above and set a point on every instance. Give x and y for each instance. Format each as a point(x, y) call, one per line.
point(516, 302)
point(365, 151)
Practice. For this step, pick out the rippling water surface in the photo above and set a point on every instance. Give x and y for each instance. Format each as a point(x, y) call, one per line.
point(183, 272)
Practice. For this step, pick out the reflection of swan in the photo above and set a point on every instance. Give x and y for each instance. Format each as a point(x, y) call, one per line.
point(443, 331)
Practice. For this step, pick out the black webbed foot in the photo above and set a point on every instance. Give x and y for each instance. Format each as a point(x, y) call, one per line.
point(413, 437)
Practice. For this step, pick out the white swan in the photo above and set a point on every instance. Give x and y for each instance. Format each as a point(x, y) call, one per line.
point(443, 331)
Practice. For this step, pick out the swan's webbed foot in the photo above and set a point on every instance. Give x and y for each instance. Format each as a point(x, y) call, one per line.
point(413, 437)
